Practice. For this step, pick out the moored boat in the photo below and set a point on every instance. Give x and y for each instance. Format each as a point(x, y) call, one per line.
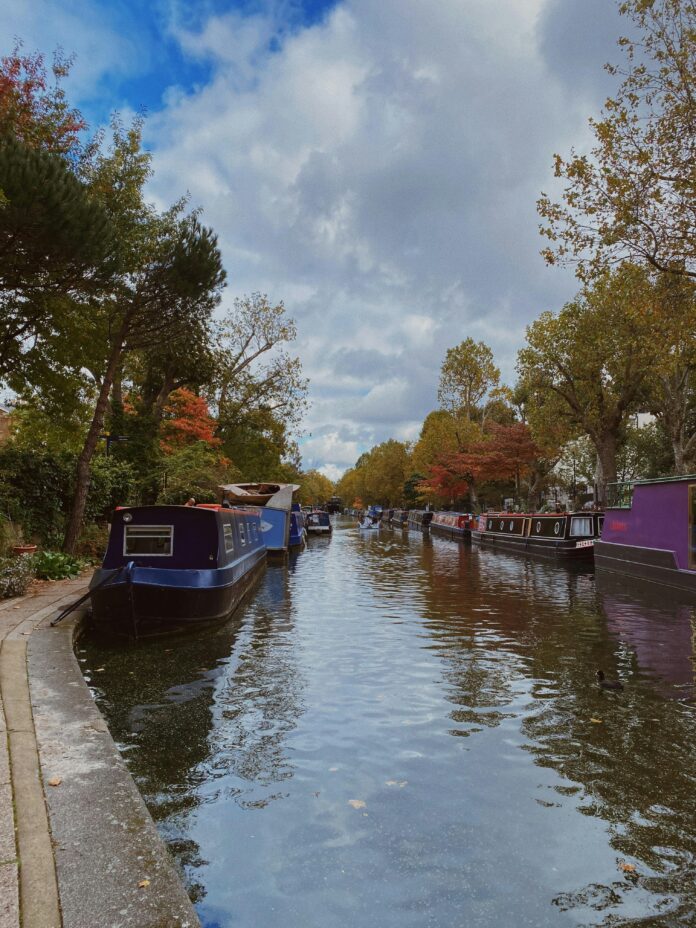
point(275, 502)
point(453, 524)
point(419, 518)
point(298, 531)
point(169, 568)
point(542, 534)
point(318, 523)
point(399, 518)
point(650, 532)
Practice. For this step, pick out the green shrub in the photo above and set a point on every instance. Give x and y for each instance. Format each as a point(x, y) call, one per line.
point(16, 573)
point(54, 565)
point(92, 542)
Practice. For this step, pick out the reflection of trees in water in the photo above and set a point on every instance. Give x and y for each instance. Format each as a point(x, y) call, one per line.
point(503, 624)
point(258, 704)
point(189, 710)
point(157, 697)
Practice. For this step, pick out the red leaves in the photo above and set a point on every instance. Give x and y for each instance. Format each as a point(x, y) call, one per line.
point(187, 420)
point(507, 452)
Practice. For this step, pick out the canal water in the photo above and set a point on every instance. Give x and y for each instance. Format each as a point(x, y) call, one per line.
point(396, 731)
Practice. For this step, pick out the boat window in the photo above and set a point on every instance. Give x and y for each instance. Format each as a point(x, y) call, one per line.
point(228, 532)
point(153, 540)
point(581, 527)
point(242, 535)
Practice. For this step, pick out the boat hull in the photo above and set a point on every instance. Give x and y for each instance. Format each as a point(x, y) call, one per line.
point(552, 549)
point(653, 565)
point(147, 601)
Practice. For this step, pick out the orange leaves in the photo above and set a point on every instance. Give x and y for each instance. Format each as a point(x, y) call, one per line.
point(187, 420)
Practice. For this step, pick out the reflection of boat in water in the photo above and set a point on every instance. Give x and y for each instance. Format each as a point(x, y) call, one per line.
point(554, 535)
point(650, 532)
point(275, 502)
point(661, 631)
point(167, 568)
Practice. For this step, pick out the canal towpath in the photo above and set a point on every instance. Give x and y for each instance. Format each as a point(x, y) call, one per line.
point(77, 845)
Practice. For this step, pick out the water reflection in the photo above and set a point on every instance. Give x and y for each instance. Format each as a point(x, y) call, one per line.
point(403, 731)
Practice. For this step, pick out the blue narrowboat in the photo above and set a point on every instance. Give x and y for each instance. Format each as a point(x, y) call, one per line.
point(318, 523)
point(298, 531)
point(168, 568)
point(275, 503)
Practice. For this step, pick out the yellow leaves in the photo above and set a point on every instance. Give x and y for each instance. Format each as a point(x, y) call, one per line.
point(357, 803)
point(627, 868)
point(143, 884)
point(54, 781)
point(596, 721)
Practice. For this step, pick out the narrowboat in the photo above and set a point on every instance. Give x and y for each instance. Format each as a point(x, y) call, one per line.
point(169, 568)
point(334, 504)
point(419, 518)
point(562, 535)
point(298, 531)
point(318, 523)
point(399, 518)
point(453, 524)
point(650, 532)
point(275, 502)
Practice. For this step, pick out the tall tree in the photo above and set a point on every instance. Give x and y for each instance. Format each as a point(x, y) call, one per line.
point(633, 196)
point(591, 363)
point(467, 376)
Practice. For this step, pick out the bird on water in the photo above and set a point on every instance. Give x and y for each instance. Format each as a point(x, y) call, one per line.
point(607, 684)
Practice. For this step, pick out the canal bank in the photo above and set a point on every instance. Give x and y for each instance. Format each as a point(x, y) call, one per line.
point(78, 847)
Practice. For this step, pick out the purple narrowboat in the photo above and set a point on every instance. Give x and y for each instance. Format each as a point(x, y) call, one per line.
point(650, 531)
point(169, 568)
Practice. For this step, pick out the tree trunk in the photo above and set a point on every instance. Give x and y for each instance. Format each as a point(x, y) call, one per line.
point(162, 397)
point(606, 465)
point(72, 532)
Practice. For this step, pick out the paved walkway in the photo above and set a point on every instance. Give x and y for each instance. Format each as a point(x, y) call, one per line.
point(78, 847)
point(24, 829)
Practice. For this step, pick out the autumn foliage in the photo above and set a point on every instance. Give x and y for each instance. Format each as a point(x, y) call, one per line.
point(32, 110)
point(507, 452)
point(187, 420)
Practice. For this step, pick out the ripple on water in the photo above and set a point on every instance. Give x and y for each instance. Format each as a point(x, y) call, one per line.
point(404, 731)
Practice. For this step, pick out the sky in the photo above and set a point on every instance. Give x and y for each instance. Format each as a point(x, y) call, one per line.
point(375, 164)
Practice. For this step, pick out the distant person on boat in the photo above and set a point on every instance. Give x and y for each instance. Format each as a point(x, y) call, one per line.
point(190, 502)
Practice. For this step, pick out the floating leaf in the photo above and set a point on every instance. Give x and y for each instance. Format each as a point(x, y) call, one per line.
point(627, 868)
point(399, 783)
point(357, 803)
point(143, 884)
point(55, 781)
point(596, 721)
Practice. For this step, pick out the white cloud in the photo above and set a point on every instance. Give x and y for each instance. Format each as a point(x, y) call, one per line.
point(379, 173)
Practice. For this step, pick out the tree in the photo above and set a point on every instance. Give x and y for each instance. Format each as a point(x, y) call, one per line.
point(633, 196)
point(466, 377)
point(35, 114)
point(187, 420)
point(315, 488)
point(56, 254)
point(591, 363)
point(672, 390)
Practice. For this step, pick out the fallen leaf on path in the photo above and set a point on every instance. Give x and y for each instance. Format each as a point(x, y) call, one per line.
point(357, 803)
point(143, 884)
point(55, 781)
